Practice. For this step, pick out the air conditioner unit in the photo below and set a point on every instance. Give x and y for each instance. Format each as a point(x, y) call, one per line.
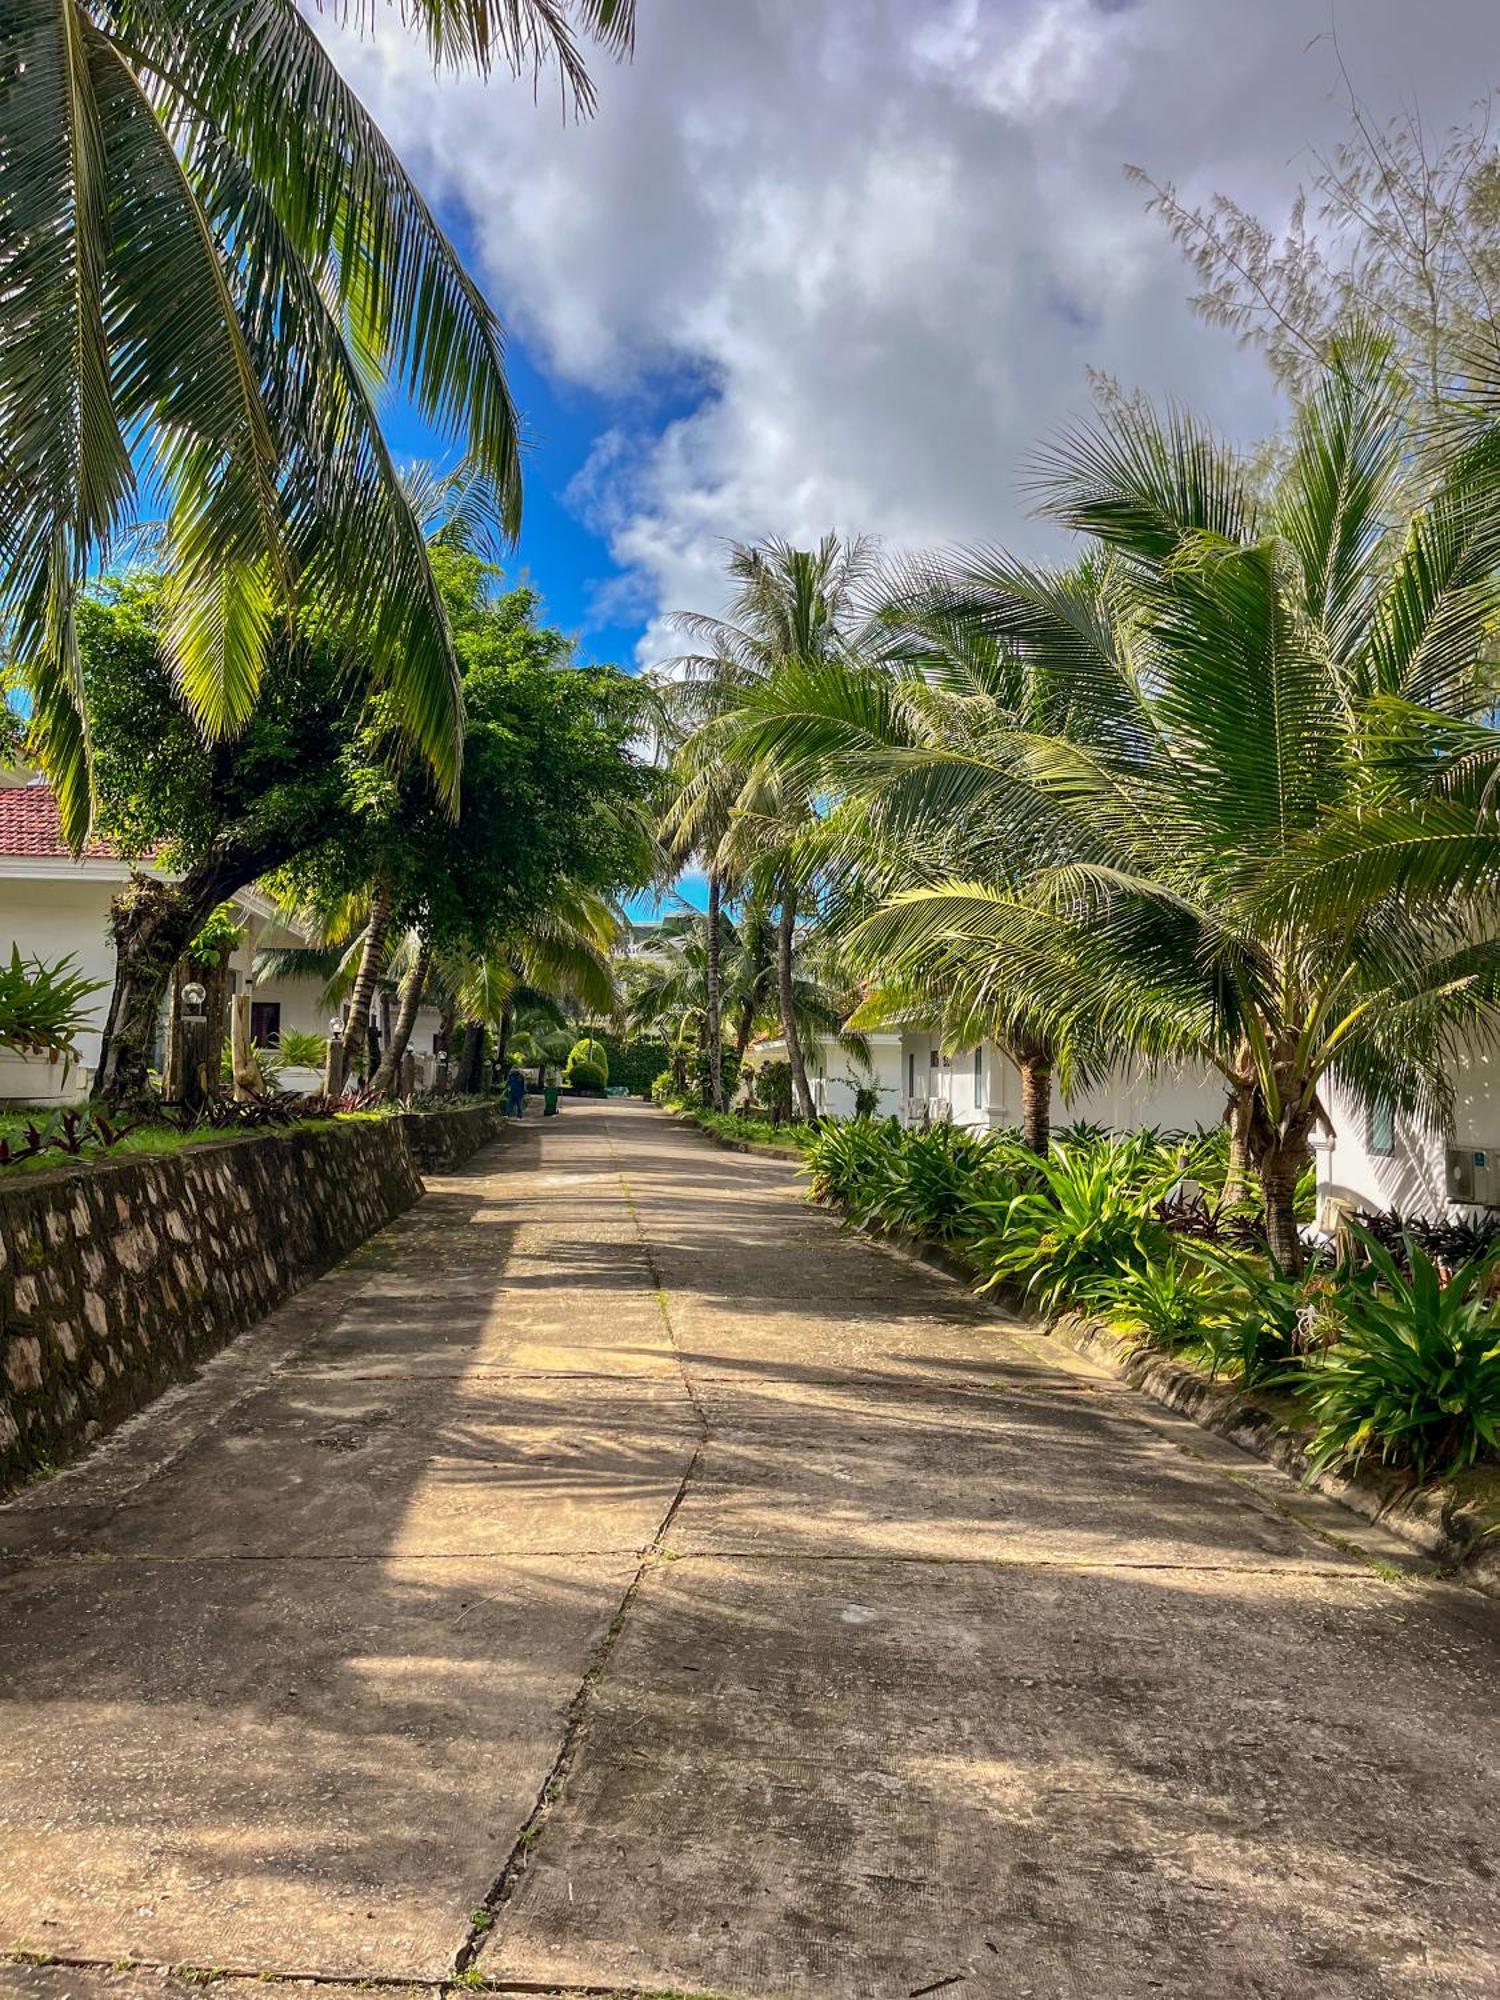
point(1473, 1175)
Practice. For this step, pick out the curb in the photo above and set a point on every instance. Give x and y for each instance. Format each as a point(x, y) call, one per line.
point(790, 1154)
point(1449, 1538)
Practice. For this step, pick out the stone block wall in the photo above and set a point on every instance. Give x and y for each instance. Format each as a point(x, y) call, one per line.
point(443, 1140)
point(116, 1278)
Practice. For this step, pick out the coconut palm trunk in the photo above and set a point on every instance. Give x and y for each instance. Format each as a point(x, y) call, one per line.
point(786, 938)
point(371, 965)
point(713, 1035)
point(384, 1079)
point(1240, 1172)
point(471, 1073)
point(1036, 1099)
point(1280, 1150)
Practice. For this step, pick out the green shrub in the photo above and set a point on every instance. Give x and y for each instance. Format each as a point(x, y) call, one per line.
point(1087, 1216)
point(1169, 1303)
point(729, 1070)
point(1264, 1317)
point(300, 1050)
point(1413, 1373)
point(633, 1062)
point(580, 1075)
point(930, 1183)
point(849, 1163)
point(42, 1006)
point(591, 1052)
point(665, 1090)
point(758, 1131)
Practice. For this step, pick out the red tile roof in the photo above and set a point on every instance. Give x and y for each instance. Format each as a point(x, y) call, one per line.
point(30, 826)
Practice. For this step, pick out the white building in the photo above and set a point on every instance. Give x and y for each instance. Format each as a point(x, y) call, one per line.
point(1375, 1160)
point(54, 904)
point(1370, 1160)
point(980, 1088)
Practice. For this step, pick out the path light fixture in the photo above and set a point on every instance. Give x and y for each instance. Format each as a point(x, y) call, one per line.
point(192, 1028)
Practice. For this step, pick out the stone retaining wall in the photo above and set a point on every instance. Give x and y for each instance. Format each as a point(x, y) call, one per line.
point(117, 1277)
point(443, 1140)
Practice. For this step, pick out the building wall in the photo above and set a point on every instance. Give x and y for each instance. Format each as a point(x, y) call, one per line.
point(66, 912)
point(52, 918)
point(986, 1099)
point(1403, 1166)
point(834, 1075)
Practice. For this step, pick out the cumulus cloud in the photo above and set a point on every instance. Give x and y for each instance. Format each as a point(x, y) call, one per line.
point(871, 247)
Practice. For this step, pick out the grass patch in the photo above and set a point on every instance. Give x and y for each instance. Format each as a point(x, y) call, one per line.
point(148, 1141)
point(793, 1140)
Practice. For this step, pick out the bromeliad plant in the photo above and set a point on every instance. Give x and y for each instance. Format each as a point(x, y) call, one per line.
point(931, 1183)
point(1082, 1225)
point(1413, 1375)
point(1264, 1319)
point(42, 1007)
point(1170, 1304)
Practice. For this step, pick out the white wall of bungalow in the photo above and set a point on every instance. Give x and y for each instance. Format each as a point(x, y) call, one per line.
point(1368, 1159)
point(54, 904)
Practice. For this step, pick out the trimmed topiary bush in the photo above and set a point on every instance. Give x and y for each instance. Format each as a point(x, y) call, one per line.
point(591, 1052)
point(585, 1076)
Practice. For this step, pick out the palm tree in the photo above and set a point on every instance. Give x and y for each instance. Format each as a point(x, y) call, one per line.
point(698, 821)
point(668, 993)
point(412, 962)
point(208, 252)
point(561, 958)
point(788, 605)
point(1249, 821)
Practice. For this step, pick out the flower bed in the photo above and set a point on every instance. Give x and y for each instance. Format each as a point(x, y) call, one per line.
point(1383, 1360)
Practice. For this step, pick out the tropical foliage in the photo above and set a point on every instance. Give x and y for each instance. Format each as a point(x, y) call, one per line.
point(42, 1006)
point(1219, 791)
point(1391, 1356)
point(1412, 1374)
point(211, 256)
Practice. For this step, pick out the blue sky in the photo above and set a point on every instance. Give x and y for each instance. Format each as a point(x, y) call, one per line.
point(842, 264)
point(561, 551)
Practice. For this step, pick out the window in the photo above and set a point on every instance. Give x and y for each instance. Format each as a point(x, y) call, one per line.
point(911, 1074)
point(1380, 1130)
point(265, 1023)
point(979, 1077)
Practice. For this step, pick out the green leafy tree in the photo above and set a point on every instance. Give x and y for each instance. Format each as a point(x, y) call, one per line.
point(552, 792)
point(209, 253)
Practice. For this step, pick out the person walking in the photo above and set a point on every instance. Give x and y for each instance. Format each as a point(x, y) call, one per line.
point(515, 1093)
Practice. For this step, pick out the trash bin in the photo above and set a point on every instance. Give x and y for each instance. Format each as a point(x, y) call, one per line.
point(549, 1101)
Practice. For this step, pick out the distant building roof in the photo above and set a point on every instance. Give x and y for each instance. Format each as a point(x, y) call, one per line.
point(30, 825)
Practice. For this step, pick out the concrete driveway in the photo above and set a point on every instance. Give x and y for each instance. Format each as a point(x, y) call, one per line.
point(617, 1579)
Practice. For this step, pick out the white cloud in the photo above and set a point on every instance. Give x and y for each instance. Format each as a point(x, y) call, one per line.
point(885, 240)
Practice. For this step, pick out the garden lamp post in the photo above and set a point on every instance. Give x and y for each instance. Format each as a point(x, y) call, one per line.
point(333, 1067)
point(197, 1085)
